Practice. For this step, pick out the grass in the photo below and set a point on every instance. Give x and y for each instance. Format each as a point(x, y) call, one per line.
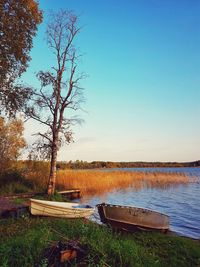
point(22, 243)
point(98, 182)
point(13, 182)
point(19, 201)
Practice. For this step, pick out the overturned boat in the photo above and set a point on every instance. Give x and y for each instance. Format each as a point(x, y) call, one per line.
point(132, 218)
point(60, 209)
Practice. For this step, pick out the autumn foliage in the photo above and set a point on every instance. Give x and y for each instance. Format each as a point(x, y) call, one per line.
point(18, 25)
point(11, 142)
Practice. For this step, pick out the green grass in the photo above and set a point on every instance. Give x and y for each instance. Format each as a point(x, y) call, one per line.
point(23, 241)
point(13, 182)
point(19, 201)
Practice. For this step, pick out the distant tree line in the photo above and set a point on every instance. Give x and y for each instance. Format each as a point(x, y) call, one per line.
point(79, 164)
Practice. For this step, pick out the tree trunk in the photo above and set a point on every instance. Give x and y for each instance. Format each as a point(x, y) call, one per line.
point(52, 175)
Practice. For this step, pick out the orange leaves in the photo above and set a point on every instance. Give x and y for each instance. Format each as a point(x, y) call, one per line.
point(11, 141)
point(34, 9)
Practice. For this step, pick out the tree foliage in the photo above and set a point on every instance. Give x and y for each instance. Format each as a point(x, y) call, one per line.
point(18, 26)
point(11, 141)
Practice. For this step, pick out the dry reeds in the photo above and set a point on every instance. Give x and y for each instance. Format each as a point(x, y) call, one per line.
point(98, 182)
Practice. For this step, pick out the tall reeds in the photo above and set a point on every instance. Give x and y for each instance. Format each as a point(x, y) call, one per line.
point(98, 182)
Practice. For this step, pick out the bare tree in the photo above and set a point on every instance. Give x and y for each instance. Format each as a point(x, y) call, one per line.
point(60, 90)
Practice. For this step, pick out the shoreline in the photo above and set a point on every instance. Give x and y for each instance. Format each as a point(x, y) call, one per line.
point(9, 209)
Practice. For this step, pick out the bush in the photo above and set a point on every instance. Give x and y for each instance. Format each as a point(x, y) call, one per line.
point(13, 182)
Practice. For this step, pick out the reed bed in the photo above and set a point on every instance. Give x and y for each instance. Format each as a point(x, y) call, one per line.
point(98, 182)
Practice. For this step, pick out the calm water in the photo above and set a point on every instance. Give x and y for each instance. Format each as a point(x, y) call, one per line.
point(181, 203)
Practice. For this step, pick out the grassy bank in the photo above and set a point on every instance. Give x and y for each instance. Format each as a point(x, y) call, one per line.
point(23, 241)
point(97, 182)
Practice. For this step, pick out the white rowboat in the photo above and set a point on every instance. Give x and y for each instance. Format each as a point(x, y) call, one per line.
point(60, 209)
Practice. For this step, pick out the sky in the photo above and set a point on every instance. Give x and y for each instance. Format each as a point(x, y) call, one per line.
point(142, 59)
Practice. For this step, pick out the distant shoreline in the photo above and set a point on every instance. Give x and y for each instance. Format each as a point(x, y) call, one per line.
point(79, 164)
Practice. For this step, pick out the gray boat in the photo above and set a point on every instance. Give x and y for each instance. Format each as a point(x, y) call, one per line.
point(132, 218)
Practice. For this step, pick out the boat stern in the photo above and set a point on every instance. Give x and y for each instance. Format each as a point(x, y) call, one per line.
point(101, 211)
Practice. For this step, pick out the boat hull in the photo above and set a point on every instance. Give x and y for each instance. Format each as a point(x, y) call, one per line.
point(132, 218)
point(59, 209)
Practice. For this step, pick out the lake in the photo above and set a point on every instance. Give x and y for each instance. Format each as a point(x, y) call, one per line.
point(181, 203)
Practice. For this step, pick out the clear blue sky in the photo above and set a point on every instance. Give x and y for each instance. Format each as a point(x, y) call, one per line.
point(142, 58)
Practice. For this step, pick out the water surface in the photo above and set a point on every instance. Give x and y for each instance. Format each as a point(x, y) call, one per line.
point(181, 203)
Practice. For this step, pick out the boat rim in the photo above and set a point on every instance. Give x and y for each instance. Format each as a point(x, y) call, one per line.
point(124, 206)
point(52, 204)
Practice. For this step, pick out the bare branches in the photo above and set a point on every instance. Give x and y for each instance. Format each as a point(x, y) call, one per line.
point(60, 89)
point(33, 114)
point(45, 136)
point(61, 33)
